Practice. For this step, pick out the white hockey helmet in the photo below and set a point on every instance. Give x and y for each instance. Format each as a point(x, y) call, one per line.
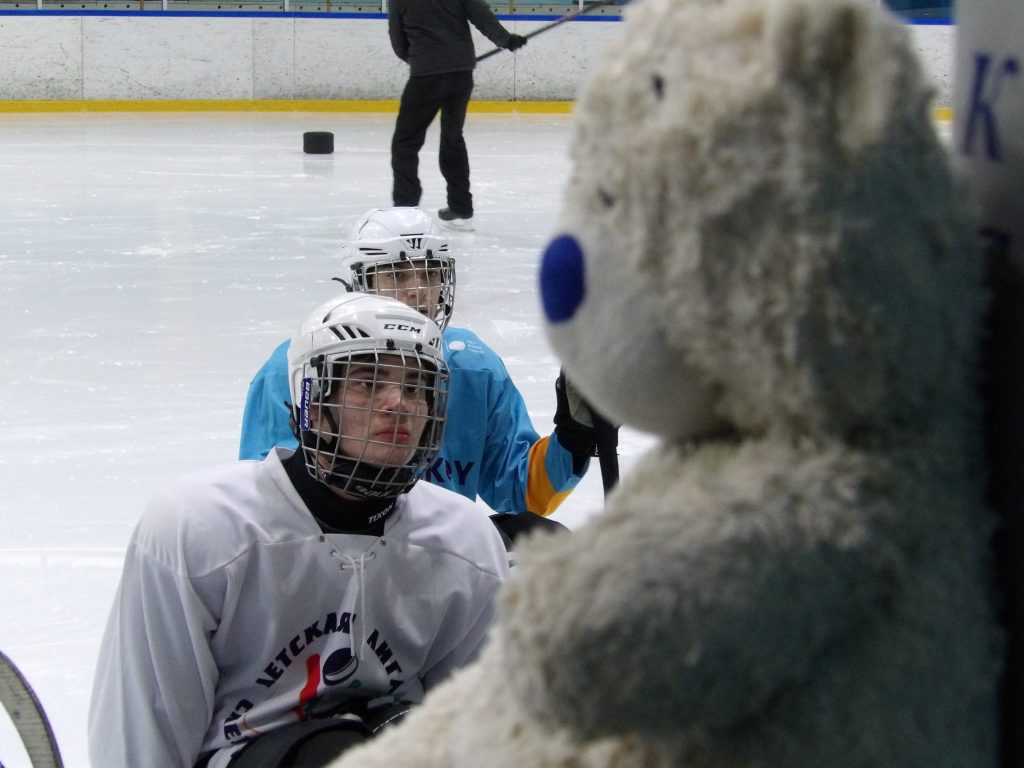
point(402, 253)
point(369, 390)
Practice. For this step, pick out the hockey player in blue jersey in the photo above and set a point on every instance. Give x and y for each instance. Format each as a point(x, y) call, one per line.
point(490, 447)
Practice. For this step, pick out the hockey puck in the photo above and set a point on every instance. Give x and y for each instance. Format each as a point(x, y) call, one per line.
point(318, 142)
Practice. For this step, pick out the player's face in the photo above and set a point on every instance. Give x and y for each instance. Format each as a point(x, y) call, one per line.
point(417, 284)
point(382, 410)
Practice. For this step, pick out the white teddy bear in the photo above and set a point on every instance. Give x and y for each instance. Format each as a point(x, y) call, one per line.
point(763, 259)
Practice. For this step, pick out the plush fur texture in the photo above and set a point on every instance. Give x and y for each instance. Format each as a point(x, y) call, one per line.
point(762, 259)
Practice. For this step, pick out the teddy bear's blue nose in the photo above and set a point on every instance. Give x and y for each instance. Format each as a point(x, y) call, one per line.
point(562, 283)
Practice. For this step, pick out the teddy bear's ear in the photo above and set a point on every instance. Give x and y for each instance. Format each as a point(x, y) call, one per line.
point(845, 58)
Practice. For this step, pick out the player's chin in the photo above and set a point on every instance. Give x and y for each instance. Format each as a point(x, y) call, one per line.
point(389, 455)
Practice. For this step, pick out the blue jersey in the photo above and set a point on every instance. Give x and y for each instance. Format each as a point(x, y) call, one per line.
point(490, 447)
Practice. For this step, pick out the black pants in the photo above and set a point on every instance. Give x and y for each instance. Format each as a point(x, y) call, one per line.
point(422, 97)
point(312, 746)
point(512, 525)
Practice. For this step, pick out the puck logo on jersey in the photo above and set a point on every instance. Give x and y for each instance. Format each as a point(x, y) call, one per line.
point(340, 666)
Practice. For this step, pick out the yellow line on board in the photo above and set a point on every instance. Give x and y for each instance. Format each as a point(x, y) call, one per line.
point(941, 114)
point(535, 107)
point(267, 105)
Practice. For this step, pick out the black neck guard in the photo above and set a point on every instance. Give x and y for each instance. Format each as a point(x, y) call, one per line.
point(333, 513)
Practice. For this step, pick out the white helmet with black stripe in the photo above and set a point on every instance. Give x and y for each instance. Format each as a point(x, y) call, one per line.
point(369, 389)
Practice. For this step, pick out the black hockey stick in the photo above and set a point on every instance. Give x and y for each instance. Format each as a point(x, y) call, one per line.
point(607, 450)
point(28, 717)
point(568, 17)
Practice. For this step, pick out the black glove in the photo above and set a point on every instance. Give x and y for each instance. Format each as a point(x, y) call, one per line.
point(574, 423)
point(515, 42)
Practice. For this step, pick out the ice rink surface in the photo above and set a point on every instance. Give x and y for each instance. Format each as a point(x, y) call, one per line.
point(149, 263)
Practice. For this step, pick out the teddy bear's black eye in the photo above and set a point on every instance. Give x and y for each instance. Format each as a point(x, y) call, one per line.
point(606, 198)
point(658, 83)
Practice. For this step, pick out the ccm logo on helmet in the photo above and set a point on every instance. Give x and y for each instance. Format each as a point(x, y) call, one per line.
point(402, 327)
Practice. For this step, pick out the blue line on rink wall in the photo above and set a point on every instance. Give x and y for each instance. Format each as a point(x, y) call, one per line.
point(330, 15)
point(262, 14)
point(208, 14)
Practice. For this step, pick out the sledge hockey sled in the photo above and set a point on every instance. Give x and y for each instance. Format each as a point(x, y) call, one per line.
point(26, 713)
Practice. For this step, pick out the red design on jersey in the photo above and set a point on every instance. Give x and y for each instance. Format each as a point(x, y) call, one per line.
point(308, 692)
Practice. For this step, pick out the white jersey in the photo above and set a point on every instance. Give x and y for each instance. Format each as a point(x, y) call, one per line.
point(236, 614)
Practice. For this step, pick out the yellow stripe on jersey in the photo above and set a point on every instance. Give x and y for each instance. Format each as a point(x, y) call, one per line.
point(541, 498)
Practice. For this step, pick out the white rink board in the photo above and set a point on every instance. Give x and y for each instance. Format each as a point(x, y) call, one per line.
point(232, 58)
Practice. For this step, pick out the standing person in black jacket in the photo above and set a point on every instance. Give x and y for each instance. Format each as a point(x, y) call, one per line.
point(433, 38)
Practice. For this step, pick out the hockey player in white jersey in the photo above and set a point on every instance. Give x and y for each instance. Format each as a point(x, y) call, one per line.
point(271, 611)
